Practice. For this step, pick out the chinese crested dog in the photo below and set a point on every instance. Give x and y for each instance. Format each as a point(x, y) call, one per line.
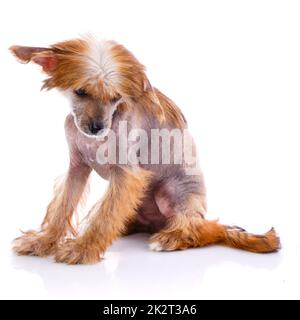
point(137, 138)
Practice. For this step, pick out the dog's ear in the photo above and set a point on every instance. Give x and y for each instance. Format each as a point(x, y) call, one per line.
point(47, 59)
point(44, 57)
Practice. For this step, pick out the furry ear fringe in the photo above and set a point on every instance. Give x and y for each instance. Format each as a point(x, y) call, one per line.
point(25, 54)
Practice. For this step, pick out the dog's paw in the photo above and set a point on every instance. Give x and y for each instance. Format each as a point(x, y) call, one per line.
point(73, 251)
point(155, 246)
point(33, 243)
point(167, 241)
point(161, 242)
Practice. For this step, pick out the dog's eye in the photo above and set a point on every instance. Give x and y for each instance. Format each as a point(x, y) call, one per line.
point(80, 92)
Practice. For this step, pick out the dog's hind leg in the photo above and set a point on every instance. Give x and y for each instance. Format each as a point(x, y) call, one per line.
point(187, 228)
point(57, 223)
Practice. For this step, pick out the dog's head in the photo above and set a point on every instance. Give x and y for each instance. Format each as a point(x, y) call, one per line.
point(98, 76)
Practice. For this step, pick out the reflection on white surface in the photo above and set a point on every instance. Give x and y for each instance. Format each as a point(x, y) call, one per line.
point(130, 271)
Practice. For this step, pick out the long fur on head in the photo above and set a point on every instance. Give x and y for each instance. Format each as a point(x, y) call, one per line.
point(105, 69)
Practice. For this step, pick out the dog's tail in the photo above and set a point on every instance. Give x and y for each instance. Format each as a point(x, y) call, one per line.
point(236, 237)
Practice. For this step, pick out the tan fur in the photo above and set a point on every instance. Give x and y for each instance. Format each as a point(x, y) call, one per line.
point(133, 84)
point(57, 222)
point(188, 228)
point(172, 113)
point(111, 216)
point(191, 230)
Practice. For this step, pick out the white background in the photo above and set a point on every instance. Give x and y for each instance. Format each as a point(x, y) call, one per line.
point(234, 69)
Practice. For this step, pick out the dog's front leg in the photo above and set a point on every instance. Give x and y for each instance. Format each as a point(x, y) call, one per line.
point(57, 222)
point(108, 219)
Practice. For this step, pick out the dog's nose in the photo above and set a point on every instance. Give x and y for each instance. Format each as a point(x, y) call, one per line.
point(95, 126)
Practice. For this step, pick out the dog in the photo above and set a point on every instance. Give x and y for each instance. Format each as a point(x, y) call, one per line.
point(108, 87)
